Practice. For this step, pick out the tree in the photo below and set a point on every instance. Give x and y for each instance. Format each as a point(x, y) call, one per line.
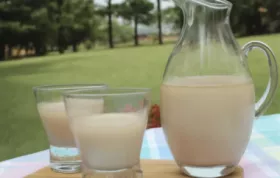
point(174, 15)
point(84, 22)
point(61, 33)
point(159, 22)
point(246, 18)
point(24, 22)
point(10, 27)
point(138, 11)
point(109, 12)
point(76, 23)
point(122, 33)
point(45, 23)
point(110, 24)
point(45, 26)
point(271, 17)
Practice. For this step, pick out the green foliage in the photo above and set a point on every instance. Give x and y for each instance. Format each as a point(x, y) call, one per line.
point(88, 44)
point(76, 22)
point(248, 17)
point(25, 22)
point(58, 24)
point(46, 23)
point(173, 16)
point(140, 9)
point(122, 33)
point(271, 15)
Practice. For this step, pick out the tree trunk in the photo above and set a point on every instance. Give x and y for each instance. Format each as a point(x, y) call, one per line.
point(136, 42)
point(37, 49)
point(258, 19)
point(60, 39)
point(40, 49)
point(2, 52)
point(26, 48)
point(110, 25)
point(160, 41)
point(10, 50)
point(61, 42)
point(52, 48)
point(249, 25)
point(61, 50)
point(74, 47)
point(19, 51)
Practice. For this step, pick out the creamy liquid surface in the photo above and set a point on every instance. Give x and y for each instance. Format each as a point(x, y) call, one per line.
point(56, 122)
point(208, 120)
point(110, 141)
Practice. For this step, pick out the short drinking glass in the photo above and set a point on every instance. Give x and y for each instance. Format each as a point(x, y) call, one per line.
point(64, 156)
point(109, 142)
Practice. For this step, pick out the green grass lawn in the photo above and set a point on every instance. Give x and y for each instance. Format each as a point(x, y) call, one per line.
point(21, 131)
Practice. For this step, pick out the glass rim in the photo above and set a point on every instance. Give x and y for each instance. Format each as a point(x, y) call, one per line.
point(61, 87)
point(114, 91)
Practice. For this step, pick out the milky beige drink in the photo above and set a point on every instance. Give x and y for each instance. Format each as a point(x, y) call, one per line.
point(110, 141)
point(208, 119)
point(56, 122)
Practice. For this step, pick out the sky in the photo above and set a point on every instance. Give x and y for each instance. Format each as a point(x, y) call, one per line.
point(164, 4)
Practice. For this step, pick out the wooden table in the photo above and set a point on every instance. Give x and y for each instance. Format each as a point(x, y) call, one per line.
point(151, 169)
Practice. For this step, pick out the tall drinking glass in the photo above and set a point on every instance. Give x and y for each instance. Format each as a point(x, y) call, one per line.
point(109, 142)
point(64, 156)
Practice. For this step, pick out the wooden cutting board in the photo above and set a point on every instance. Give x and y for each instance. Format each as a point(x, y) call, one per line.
point(151, 169)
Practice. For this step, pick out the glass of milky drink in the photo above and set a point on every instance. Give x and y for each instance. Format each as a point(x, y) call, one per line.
point(110, 141)
point(64, 155)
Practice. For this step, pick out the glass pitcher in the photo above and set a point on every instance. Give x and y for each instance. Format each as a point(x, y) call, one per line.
point(207, 94)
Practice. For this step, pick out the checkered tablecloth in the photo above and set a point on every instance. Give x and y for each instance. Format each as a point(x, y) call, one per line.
point(261, 160)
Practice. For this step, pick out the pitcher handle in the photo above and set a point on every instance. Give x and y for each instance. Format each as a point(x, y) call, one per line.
point(271, 88)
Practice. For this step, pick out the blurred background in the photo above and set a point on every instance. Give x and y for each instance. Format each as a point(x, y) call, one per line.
point(118, 42)
point(30, 27)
